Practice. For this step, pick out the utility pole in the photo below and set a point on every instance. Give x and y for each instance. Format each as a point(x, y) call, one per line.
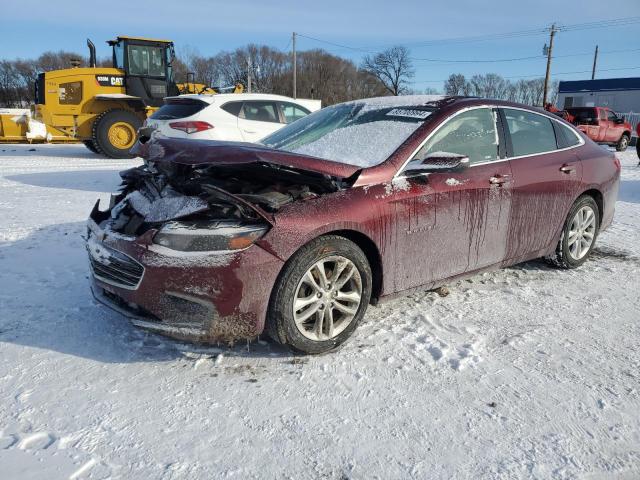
point(595, 63)
point(293, 43)
point(549, 53)
point(249, 74)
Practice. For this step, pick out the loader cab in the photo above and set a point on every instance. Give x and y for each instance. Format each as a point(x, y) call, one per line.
point(147, 66)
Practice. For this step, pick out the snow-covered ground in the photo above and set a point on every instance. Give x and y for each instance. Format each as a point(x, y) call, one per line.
point(527, 372)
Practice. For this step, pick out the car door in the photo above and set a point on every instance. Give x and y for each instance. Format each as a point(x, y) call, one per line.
point(546, 178)
point(258, 119)
point(603, 124)
point(614, 128)
point(451, 223)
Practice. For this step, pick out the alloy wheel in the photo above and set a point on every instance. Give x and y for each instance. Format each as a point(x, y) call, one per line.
point(581, 232)
point(327, 298)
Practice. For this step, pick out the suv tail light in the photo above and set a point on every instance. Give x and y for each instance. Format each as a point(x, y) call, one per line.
point(191, 127)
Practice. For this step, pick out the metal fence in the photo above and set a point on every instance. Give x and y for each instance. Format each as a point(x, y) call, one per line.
point(633, 118)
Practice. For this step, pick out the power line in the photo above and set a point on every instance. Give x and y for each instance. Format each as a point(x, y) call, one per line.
point(540, 76)
point(533, 57)
point(616, 22)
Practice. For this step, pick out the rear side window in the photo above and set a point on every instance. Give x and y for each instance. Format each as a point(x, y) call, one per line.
point(178, 109)
point(293, 112)
point(260, 112)
point(530, 133)
point(232, 107)
point(566, 136)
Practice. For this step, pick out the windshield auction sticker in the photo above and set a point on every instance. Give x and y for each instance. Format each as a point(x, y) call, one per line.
point(409, 113)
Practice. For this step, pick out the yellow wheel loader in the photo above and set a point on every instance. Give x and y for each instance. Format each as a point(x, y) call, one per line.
point(104, 107)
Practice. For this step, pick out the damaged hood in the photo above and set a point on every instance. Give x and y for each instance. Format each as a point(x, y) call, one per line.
point(213, 152)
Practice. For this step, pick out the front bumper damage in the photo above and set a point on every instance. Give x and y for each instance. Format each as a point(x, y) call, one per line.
point(209, 298)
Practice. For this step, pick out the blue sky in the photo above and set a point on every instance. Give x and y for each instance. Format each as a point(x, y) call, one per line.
point(210, 26)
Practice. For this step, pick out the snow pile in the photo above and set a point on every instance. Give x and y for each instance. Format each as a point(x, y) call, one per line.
point(526, 372)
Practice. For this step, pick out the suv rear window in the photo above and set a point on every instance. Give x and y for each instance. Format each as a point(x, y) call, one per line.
point(583, 115)
point(178, 109)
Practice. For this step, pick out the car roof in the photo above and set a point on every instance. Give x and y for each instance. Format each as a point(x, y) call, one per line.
point(220, 98)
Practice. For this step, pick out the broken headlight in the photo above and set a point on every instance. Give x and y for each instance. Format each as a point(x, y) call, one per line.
point(208, 237)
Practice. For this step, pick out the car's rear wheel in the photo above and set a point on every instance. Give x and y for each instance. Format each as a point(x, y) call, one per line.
point(320, 296)
point(638, 147)
point(623, 143)
point(578, 235)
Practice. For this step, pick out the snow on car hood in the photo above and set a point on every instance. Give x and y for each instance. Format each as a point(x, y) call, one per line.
point(213, 152)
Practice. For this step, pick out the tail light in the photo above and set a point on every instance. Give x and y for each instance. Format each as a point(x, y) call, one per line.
point(616, 162)
point(191, 127)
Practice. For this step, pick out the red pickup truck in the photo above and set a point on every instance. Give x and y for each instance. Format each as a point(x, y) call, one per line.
point(601, 125)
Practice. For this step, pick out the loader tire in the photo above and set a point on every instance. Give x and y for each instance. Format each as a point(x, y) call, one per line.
point(91, 146)
point(114, 133)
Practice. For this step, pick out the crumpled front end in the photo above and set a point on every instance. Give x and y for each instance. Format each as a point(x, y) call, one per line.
point(221, 297)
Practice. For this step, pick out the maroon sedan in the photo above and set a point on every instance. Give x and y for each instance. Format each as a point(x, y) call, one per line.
point(214, 241)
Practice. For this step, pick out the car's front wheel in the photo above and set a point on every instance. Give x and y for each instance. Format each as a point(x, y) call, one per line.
point(578, 235)
point(320, 296)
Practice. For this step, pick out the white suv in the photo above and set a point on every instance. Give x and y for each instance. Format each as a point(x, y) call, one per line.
point(245, 117)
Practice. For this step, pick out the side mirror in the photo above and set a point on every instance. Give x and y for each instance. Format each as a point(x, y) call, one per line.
point(439, 162)
point(619, 121)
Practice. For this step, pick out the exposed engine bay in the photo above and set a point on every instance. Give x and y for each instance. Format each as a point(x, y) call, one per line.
point(158, 192)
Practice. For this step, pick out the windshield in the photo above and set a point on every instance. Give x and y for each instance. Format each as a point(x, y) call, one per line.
point(354, 133)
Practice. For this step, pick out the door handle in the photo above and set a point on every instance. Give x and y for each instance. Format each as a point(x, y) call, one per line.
point(566, 168)
point(499, 179)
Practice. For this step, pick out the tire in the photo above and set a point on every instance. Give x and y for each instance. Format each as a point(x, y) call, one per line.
point(623, 143)
point(336, 252)
point(567, 254)
point(114, 133)
point(638, 148)
point(90, 145)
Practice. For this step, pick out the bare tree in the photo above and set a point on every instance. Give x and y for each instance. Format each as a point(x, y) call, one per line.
point(393, 68)
point(456, 84)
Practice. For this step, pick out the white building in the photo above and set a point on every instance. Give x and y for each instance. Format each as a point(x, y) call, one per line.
point(619, 94)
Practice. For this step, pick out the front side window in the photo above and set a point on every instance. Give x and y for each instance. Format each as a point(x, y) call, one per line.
point(471, 133)
point(146, 60)
point(293, 112)
point(118, 56)
point(612, 116)
point(530, 133)
point(260, 112)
